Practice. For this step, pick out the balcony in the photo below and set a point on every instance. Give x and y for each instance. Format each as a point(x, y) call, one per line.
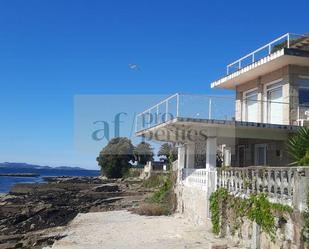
point(288, 40)
point(220, 110)
point(187, 106)
point(286, 50)
point(303, 115)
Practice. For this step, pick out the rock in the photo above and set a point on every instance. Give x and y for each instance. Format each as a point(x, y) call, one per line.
point(31, 209)
point(109, 187)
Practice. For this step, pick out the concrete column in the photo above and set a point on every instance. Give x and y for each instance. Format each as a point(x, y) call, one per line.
point(301, 180)
point(227, 156)
point(211, 151)
point(190, 149)
point(181, 157)
point(211, 174)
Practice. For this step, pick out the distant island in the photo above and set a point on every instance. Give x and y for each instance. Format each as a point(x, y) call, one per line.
point(34, 166)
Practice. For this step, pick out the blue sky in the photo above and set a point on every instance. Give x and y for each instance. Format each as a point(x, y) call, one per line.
point(51, 51)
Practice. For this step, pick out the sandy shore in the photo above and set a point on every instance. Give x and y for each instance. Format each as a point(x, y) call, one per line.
point(121, 229)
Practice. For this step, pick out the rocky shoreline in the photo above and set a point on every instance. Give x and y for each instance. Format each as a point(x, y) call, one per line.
point(30, 213)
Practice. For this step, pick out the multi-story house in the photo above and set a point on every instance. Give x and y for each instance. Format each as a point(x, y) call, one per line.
point(246, 131)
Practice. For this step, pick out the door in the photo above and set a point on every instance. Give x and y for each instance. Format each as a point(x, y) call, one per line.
point(251, 106)
point(275, 105)
point(241, 156)
point(260, 154)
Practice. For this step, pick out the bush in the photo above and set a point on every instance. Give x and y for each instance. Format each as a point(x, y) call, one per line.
point(155, 181)
point(305, 160)
point(299, 146)
point(115, 157)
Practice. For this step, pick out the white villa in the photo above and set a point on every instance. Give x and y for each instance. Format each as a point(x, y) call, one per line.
point(246, 134)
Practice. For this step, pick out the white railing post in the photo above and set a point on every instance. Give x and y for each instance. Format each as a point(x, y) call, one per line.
point(288, 42)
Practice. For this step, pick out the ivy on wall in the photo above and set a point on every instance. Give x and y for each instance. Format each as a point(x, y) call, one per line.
point(228, 210)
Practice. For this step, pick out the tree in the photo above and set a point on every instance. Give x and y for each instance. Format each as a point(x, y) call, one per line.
point(299, 146)
point(168, 151)
point(115, 157)
point(143, 153)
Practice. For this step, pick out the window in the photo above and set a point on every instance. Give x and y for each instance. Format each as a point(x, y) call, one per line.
point(274, 103)
point(260, 154)
point(303, 92)
point(250, 104)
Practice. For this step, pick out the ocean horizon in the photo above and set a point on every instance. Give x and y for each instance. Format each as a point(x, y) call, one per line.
point(6, 182)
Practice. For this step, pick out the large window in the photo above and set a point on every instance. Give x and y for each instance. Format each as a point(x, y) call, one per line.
point(303, 92)
point(250, 106)
point(274, 104)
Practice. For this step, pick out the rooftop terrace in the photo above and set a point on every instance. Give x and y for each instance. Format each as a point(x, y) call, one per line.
point(287, 49)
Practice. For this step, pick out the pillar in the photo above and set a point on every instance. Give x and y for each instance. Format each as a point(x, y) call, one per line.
point(211, 151)
point(190, 149)
point(181, 157)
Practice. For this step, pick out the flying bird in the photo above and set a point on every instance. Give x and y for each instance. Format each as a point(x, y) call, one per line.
point(134, 67)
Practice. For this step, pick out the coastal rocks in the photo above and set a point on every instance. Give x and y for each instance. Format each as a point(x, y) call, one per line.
point(109, 187)
point(30, 209)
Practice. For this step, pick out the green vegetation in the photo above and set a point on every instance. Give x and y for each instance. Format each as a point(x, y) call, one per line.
point(155, 181)
point(228, 210)
point(299, 147)
point(143, 153)
point(168, 151)
point(115, 157)
point(163, 199)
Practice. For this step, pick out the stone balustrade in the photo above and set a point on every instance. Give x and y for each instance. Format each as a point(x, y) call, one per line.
point(197, 177)
point(285, 185)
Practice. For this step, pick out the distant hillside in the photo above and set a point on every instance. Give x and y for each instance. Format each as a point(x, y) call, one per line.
point(34, 166)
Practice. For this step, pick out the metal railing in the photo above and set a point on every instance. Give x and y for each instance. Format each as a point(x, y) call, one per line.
point(303, 115)
point(186, 106)
point(286, 41)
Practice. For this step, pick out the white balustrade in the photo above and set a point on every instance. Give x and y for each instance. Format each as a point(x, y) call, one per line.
point(280, 184)
point(194, 177)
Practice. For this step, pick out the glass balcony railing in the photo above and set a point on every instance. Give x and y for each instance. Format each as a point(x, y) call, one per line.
point(187, 106)
point(221, 108)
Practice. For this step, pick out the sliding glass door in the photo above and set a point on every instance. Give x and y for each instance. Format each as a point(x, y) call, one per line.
point(251, 106)
point(274, 104)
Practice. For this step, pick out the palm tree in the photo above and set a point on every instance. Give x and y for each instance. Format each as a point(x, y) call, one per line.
point(298, 146)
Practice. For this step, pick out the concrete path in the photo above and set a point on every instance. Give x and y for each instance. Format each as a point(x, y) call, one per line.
point(123, 230)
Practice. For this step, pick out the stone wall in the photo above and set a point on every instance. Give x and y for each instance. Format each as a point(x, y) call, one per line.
point(288, 234)
point(192, 203)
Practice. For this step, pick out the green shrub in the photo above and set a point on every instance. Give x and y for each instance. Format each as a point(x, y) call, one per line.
point(155, 181)
point(115, 157)
point(299, 146)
